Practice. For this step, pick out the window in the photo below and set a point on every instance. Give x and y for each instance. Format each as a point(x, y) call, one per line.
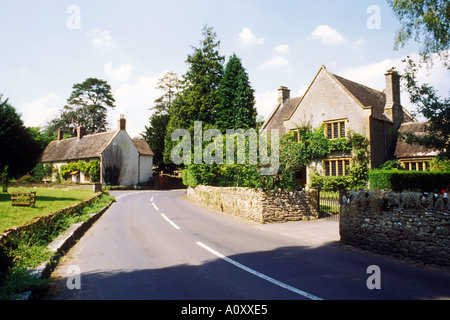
point(335, 129)
point(416, 165)
point(336, 167)
point(296, 134)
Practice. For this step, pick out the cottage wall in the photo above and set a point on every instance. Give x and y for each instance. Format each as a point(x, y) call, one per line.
point(146, 168)
point(129, 155)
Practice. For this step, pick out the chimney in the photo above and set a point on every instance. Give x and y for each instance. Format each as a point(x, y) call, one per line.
point(121, 123)
point(393, 108)
point(283, 94)
point(60, 135)
point(81, 132)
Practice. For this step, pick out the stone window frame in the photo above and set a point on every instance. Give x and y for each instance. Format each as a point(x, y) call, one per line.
point(416, 165)
point(335, 129)
point(336, 167)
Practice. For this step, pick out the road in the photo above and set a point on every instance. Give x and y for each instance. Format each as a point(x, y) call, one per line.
point(157, 245)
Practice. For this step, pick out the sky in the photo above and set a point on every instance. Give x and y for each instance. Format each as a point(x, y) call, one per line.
point(47, 46)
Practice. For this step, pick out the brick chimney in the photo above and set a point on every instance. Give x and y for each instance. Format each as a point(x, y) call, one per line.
point(122, 123)
point(283, 94)
point(81, 132)
point(393, 108)
point(60, 135)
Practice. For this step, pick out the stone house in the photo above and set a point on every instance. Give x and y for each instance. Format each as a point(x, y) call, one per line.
point(343, 105)
point(128, 161)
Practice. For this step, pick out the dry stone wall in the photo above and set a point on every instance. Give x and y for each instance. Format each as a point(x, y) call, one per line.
point(409, 224)
point(257, 205)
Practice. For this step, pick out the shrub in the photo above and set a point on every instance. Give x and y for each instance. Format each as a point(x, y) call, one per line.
point(399, 181)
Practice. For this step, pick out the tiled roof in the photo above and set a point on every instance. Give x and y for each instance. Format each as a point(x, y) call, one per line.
point(143, 147)
point(281, 113)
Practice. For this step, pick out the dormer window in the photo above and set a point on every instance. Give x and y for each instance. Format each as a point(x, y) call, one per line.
point(335, 129)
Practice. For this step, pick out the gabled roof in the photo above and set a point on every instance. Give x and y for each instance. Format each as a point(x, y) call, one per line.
point(404, 150)
point(282, 112)
point(143, 147)
point(364, 96)
point(90, 146)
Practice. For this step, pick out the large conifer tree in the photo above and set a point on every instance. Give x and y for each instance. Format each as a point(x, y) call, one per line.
point(236, 109)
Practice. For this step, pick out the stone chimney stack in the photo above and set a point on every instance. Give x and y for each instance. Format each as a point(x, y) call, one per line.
point(283, 94)
point(60, 135)
point(81, 132)
point(122, 123)
point(393, 108)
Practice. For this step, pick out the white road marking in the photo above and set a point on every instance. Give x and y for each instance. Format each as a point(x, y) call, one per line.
point(170, 221)
point(154, 205)
point(256, 273)
point(151, 199)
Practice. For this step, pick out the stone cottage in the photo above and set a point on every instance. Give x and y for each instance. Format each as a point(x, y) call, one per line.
point(343, 105)
point(123, 161)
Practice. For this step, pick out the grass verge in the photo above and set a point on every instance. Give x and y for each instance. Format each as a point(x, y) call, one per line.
point(29, 250)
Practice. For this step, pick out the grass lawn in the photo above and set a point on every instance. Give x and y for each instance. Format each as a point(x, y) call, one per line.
point(47, 201)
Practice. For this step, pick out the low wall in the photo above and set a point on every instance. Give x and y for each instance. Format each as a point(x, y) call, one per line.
point(405, 224)
point(257, 205)
point(96, 187)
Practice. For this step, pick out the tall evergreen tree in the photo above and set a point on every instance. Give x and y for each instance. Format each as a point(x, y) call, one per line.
point(200, 89)
point(156, 131)
point(236, 109)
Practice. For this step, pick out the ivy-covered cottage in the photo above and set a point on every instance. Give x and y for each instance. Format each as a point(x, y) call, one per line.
point(122, 160)
point(341, 106)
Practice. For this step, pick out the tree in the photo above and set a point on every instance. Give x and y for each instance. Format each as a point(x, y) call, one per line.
point(434, 108)
point(236, 109)
point(424, 20)
point(427, 21)
point(18, 149)
point(87, 106)
point(155, 133)
point(199, 95)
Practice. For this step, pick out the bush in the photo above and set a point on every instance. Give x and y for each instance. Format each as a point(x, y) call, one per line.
point(27, 178)
point(398, 181)
point(330, 183)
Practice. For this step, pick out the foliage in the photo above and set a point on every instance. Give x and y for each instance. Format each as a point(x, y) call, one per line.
point(42, 171)
point(440, 164)
point(424, 20)
point(92, 168)
point(434, 108)
point(318, 181)
point(199, 95)
point(391, 165)
point(236, 108)
point(4, 178)
point(398, 180)
point(18, 148)
point(155, 133)
point(87, 107)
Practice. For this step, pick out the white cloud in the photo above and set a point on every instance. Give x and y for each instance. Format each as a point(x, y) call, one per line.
point(359, 43)
point(36, 113)
point(276, 61)
point(101, 38)
point(122, 74)
point(282, 49)
point(248, 38)
point(134, 101)
point(327, 35)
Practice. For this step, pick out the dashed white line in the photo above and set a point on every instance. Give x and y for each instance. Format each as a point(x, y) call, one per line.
point(170, 221)
point(154, 205)
point(258, 274)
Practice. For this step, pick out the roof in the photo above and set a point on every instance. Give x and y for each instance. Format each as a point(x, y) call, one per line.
point(282, 112)
point(90, 146)
point(405, 150)
point(143, 147)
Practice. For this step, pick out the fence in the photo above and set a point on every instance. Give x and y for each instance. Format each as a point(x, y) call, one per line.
point(329, 204)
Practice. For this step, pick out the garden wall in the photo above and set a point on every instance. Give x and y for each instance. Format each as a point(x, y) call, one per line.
point(407, 224)
point(257, 205)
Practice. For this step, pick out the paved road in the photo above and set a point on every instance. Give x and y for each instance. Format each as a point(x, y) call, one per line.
point(160, 246)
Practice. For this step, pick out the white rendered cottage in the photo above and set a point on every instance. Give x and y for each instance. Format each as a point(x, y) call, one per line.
point(129, 161)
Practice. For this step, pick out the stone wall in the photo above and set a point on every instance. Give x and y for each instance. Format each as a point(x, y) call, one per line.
point(257, 205)
point(408, 224)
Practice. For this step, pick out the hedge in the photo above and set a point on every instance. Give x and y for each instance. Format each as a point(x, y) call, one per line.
point(398, 180)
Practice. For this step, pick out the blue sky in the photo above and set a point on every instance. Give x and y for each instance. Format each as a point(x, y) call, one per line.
point(47, 46)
